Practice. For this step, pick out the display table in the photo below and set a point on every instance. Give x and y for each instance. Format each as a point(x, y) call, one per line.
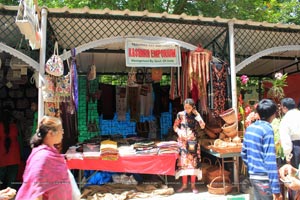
point(234, 158)
point(163, 164)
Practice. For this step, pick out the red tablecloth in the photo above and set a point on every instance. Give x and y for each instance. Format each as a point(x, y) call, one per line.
point(163, 164)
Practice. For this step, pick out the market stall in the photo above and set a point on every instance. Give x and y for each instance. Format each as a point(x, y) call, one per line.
point(101, 105)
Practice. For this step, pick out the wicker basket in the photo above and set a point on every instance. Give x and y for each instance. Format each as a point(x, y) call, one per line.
point(233, 149)
point(217, 187)
point(231, 134)
point(228, 128)
point(229, 116)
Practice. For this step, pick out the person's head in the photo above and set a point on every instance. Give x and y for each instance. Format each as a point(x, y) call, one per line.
point(188, 105)
point(266, 109)
point(287, 104)
point(49, 132)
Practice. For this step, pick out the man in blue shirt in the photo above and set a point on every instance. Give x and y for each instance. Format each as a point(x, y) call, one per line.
point(259, 155)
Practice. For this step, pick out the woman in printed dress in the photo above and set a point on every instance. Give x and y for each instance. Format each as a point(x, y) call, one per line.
point(185, 126)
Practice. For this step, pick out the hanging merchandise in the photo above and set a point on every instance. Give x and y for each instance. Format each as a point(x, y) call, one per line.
point(198, 72)
point(144, 90)
point(52, 109)
point(173, 93)
point(131, 81)
point(218, 86)
point(121, 103)
point(156, 74)
point(54, 66)
point(74, 78)
point(35, 79)
point(63, 87)
point(92, 73)
point(140, 76)
point(148, 75)
point(49, 89)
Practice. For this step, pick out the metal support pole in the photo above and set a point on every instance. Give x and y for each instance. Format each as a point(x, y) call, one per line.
point(233, 84)
point(232, 65)
point(42, 62)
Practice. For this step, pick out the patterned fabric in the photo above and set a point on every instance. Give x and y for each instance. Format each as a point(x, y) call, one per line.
point(188, 163)
point(121, 106)
point(219, 87)
point(198, 73)
point(46, 174)
point(146, 100)
point(133, 103)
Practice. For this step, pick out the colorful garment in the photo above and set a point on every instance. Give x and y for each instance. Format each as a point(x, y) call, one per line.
point(218, 87)
point(45, 174)
point(188, 163)
point(9, 162)
point(13, 155)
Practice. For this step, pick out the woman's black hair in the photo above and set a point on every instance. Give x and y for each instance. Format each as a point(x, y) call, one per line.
point(189, 101)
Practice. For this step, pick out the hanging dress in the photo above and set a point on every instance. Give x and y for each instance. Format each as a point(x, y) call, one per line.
point(219, 87)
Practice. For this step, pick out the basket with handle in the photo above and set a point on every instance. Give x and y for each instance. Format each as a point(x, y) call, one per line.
point(228, 128)
point(218, 187)
point(229, 116)
point(216, 171)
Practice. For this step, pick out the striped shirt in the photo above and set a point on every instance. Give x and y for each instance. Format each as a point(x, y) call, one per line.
point(259, 155)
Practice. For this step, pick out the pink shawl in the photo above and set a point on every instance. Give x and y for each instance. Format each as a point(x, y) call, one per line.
point(45, 174)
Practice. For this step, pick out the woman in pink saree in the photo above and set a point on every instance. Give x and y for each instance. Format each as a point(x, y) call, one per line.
point(46, 173)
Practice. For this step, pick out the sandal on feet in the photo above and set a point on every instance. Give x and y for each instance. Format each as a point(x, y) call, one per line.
point(195, 191)
point(183, 188)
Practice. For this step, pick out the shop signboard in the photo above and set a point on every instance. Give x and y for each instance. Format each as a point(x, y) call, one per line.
point(148, 53)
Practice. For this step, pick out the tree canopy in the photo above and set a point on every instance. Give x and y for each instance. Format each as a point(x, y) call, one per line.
point(274, 11)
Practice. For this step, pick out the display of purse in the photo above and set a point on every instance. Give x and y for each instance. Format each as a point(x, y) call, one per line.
point(48, 89)
point(63, 87)
point(92, 73)
point(156, 74)
point(54, 65)
point(148, 75)
point(131, 77)
point(140, 76)
point(191, 146)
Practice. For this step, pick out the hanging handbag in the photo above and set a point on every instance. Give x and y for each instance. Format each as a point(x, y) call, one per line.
point(140, 76)
point(156, 74)
point(63, 87)
point(54, 66)
point(92, 72)
point(191, 146)
point(148, 75)
point(131, 77)
point(48, 89)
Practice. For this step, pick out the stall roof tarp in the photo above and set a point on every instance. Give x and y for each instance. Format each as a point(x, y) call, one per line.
point(75, 27)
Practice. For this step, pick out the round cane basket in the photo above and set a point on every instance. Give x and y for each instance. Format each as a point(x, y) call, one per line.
point(217, 187)
point(228, 128)
point(231, 134)
point(229, 116)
